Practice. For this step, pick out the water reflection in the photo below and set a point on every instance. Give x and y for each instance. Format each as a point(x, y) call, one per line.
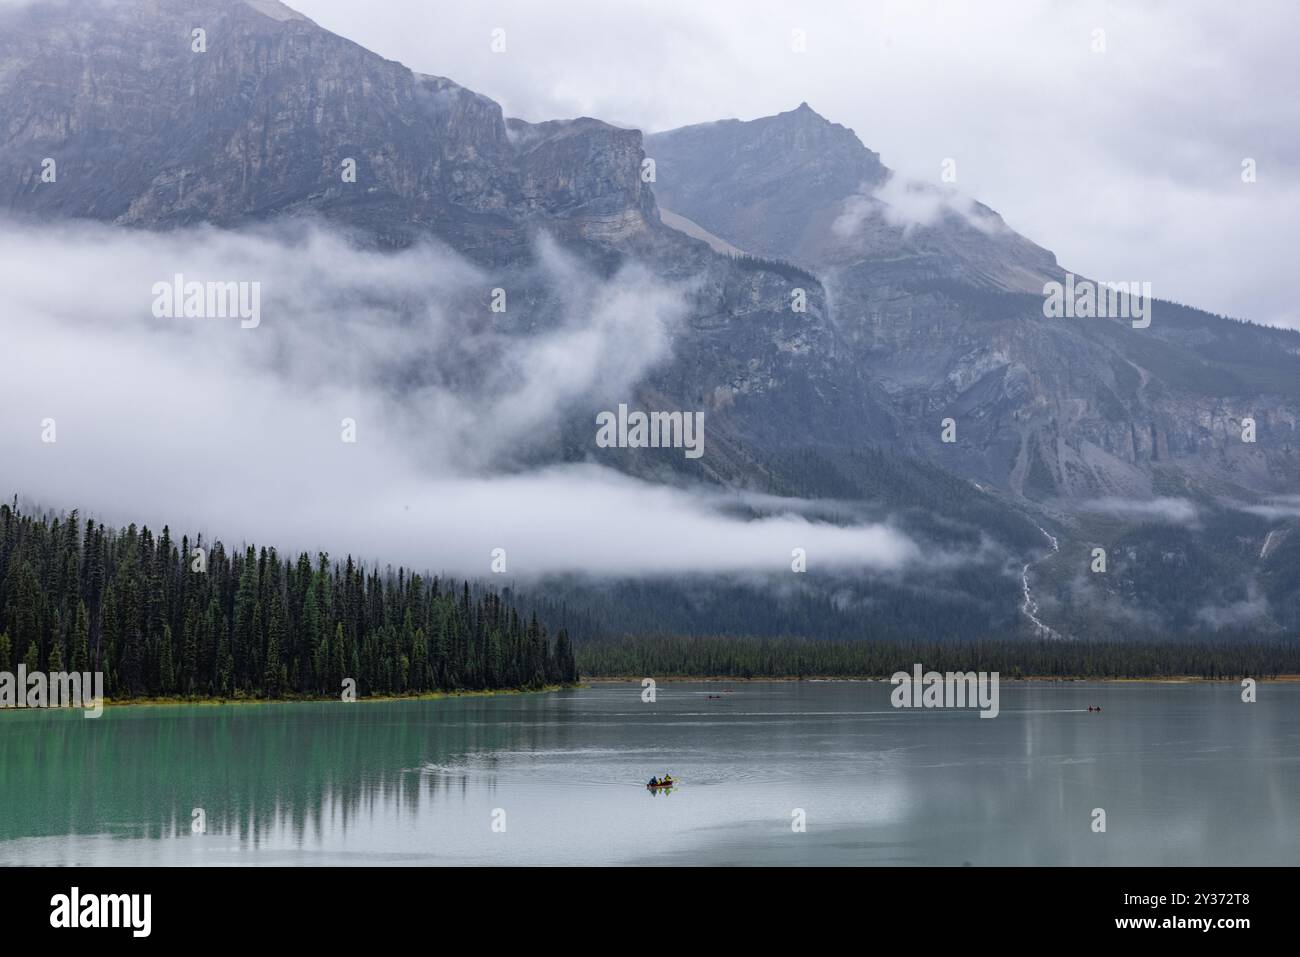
point(140, 772)
point(1186, 773)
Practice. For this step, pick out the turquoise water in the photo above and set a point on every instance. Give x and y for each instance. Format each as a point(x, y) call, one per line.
point(1186, 774)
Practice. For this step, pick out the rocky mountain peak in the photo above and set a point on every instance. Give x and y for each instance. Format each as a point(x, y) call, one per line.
point(275, 10)
point(281, 116)
point(797, 186)
point(806, 116)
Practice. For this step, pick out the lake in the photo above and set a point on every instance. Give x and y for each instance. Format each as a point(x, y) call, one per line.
point(1187, 774)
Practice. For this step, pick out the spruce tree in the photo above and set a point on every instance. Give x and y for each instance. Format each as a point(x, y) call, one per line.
point(244, 637)
point(189, 651)
point(81, 639)
point(166, 663)
point(273, 670)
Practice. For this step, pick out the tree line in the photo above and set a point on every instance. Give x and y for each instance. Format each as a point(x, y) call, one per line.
point(741, 657)
point(165, 618)
point(160, 622)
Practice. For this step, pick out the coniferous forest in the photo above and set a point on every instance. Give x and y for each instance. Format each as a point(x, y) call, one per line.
point(78, 596)
point(673, 656)
point(159, 622)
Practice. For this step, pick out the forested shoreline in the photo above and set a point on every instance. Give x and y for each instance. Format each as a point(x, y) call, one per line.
point(671, 656)
point(168, 619)
point(161, 619)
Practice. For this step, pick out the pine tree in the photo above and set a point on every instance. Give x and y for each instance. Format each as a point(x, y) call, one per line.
point(313, 629)
point(25, 624)
point(225, 678)
point(420, 662)
point(244, 638)
point(273, 671)
point(166, 663)
point(341, 666)
point(565, 666)
point(189, 651)
point(81, 639)
point(131, 659)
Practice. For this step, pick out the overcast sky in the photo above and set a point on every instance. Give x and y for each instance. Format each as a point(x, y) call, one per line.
point(1126, 163)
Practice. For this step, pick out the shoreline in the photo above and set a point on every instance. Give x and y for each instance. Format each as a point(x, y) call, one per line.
point(162, 702)
point(589, 681)
point(1063, 679)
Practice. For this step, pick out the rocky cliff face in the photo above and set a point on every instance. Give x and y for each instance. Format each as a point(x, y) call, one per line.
point(147, 131)
point(940, 304)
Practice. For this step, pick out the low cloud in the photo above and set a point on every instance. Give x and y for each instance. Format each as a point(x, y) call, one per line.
point(1083, 594)
point(1277, 507)
point(910, 204)
point(1178, 511)
point(1248, 611)
point(237, 432)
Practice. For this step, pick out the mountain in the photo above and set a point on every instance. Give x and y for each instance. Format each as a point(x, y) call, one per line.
point(153, 134)
point(149, 134)
point(942, 305)
point(1090, 426)
point(796, 186)
point(920, 305)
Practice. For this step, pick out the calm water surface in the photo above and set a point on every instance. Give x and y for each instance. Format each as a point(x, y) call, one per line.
point(1187, 774)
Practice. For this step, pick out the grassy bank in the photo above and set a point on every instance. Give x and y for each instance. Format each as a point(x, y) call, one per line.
point(311, 699)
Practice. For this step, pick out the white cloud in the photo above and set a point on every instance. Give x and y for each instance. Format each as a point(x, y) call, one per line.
point(236, 432)
point(907, 204)
point(1178, 511)
point(1248, 611)
point(1277, 507)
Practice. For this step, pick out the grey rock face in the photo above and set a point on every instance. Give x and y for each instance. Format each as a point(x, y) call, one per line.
point(147, 132)
point(940, 305)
